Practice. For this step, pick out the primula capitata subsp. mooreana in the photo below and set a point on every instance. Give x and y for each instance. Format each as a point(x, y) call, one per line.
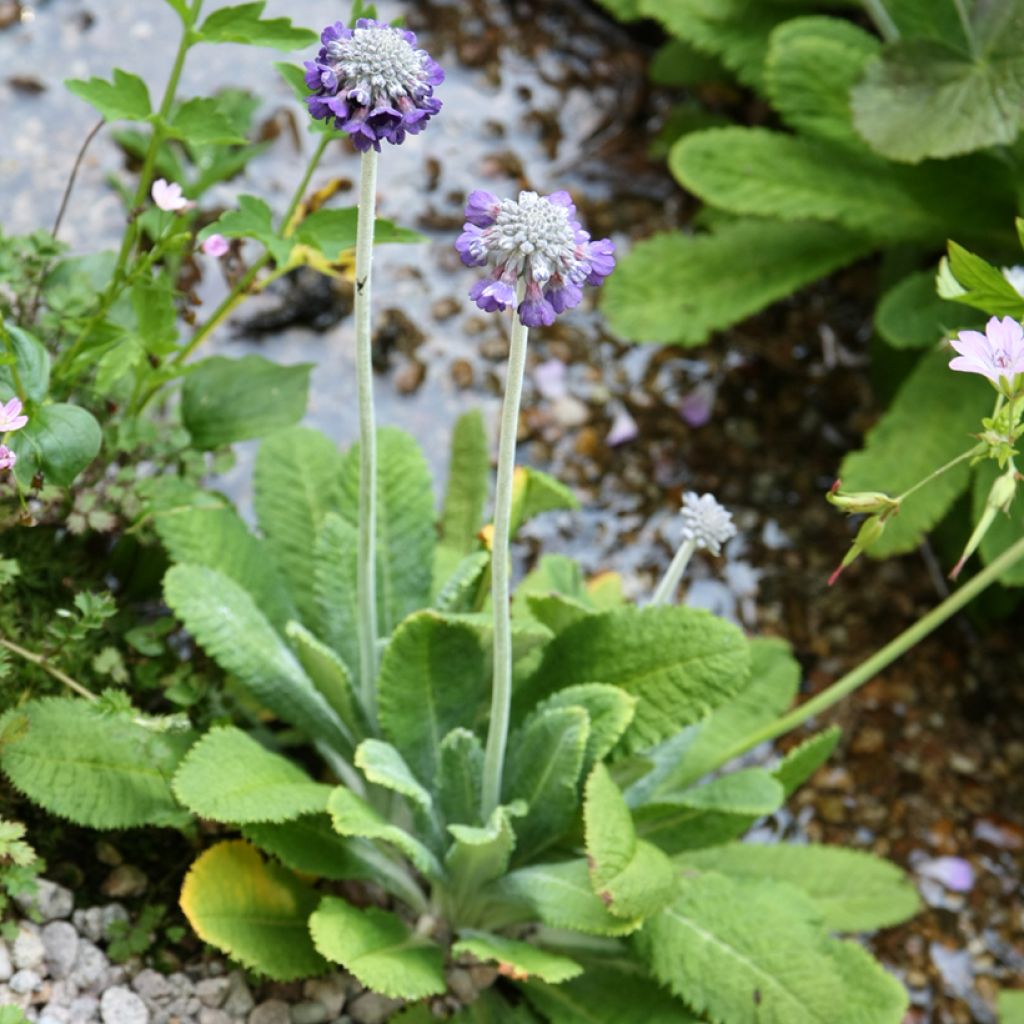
point(998, 354)
point(706, 523)
point(374, 82)
point(536, 240)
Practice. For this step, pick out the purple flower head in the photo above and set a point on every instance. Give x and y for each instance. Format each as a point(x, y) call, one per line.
point(538, 241)
point(374, 81)
point(998, 354)
point(7, 458)
point(11, 417)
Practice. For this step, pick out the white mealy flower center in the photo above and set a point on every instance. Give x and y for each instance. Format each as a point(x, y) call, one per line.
point(533, 230)
point(705, 522)
point(378, 58)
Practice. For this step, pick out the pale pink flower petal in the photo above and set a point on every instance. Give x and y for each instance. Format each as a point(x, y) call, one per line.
point(998, 354)
point(623, 429)
point(216, 246)
point(10, 416)
point(167, 195)
point(7, 457)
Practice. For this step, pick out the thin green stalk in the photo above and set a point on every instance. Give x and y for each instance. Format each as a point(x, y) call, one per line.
point(501, 691)
point(669, 584)
point(41, 662)
point(978, 449)
point(366, 569)
point(883, 20)
point(882, 658)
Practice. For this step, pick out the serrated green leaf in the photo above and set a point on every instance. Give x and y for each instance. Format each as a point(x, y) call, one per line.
point(561, 896)
point(678, 662)
point(528, 961)
point(335, 591)
point(751, 791)
point(632, 877)
point(806, 758)
point(459, 774)
point(872, 995)
point(31, 361)
point(911, 314)
point(434, 677)
point(310, 846)
point(201, 122)
point(333, 232)
point(59, 441)
point(812, 64)
point(226, 400)
point(406, 533)
point(379, 949)
point(544, 766)
point(556, 612)
point(254, 910)
point(226, 622)
point(243, 24)
point(535, 492)
point(609, 710)
point(95, 769)
point(480, 855)
point(469, 467)
point(227, 776)
point(252, 219)
point(125, 99)
point(459, 593)
point(1005, 529)
point(928, 423)
point(705, 949)
point(986, 287)
point(674, 828)
point(352, 816)
point(676, 288)
point(854, 891)
point(384, 766)
point(297, 482)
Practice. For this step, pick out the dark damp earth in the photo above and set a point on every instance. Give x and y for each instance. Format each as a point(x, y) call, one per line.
point(547, 95)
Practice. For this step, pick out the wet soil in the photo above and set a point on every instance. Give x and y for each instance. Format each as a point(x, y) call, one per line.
point(550, 95)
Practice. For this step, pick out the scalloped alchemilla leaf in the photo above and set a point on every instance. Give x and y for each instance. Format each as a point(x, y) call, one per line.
point(459, 774)
point(929, 422)
point(59, 441)
point(228, 625)
point(722, 940)
point(679, 289)
point(254, 910)
point(561, 896)
point(434, 677)
point(854, 891)
point(331, 676)
point(96, 769)
point(383, 765)
point(872, 994)
point(911, 314)
point(310, 846)
point(804, 760)
point(609, 709)
point(1005, 529)
point(522, 960)
point(379, 949)
point(469, 469)
point(126, 99)
point(243, 24)
point(632, 877)
point(335, 592)
point(680, 663)
point(812, 63)
point(228, 776)
point(619, 993)
point(544, 767)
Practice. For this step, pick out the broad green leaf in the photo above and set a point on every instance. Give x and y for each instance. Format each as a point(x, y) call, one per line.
point(459, 593)
point(333, 232)
point(227, 776)
point(854, 891)
point(226, 622)
point(330, 675)
point(434, 677)
point(335, 590)
point(872, 994)
point(524, 959)
point(624, 10)
point(201, 122)
point(561, 896)
point(383, 766)
point(674, 827)
point(29, 366)
point(254, 910)
point(252, 219)
point(491, 1007)
point(95, 769)
point(748, 952)
point(678, 63)
point(751, 791)
point(934, 20)
point(677, 288)
point(125, 99)
point(459, 774)
point(680, 663)
point(1005, 529)
point(310, 846)
point(609, 710)
point(1011, 1007)
point(480, 855)
point(555, 611)
point(812, 64)
point(986, 287)
point(608, 993)
point(911, 314)
point(297, 482)
point(59, 441)
point(469, 467)
point(929, 422)
point(218, 539)
point(379, 949)
point(225, 400)
point(544, 766)
point(555, 574)
point(353, 816)
point(405, 524)
point(243, 24)
point(534, 492)
point(806, 758)
point(632, 877)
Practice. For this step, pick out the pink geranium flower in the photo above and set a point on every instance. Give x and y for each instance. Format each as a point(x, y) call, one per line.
point(7, 458)
point(167, 195)
point(10, 416)
point(216, 246)
point(998, 354)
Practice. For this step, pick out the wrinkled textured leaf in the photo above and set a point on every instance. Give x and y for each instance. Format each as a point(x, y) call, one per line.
point(469, 470)
point(310, 846)
point(525, 959)
point(911, 314)
point(872, 994)
point(459, 774)
point(806, 758)
point(609, 709)
point(335, 569)
point(331, 677)
point(383, 766)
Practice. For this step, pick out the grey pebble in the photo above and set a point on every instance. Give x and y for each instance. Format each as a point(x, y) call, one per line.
point(120, 1005)
point(273, 1011)
point(6, 967)
point(211, 1015)
point(330, 992)
point(27, 951)
point(49, 900)
point(310, 1011)
point(212, 991)
point(152, 986)
point(84, 1008)
point(372, 1008)
point(60, 942)
point(239, 1000)
point(90, 967)
point(89, 923)
point(56, 1015)
point(25, 980)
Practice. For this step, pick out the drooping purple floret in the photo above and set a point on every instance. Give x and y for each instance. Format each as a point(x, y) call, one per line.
point(538, 241)
point(374, 82)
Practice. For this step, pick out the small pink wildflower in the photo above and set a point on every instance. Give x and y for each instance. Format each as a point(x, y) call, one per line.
point(998, 354)
point(7, 458)
point(216, 246)
point(10, 416)
point(167, 195)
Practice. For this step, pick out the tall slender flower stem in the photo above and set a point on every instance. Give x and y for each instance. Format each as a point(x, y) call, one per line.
point(501, 692)
point(881, 659)
point(674, 573)
point(883, 20)
point(41, 662)
point(366, 570)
